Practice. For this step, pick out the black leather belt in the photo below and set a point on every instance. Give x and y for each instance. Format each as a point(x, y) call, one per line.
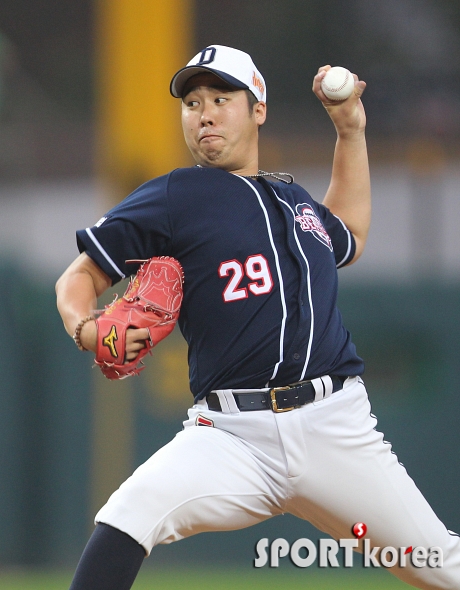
point(278, 399)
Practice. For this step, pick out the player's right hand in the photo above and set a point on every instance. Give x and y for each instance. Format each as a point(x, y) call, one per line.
point(347, 115)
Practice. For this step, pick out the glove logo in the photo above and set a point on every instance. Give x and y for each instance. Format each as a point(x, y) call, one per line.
point(109, 341)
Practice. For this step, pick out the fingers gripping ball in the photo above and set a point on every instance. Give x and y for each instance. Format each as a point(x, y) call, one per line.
point(338, 83)
point(152, 300)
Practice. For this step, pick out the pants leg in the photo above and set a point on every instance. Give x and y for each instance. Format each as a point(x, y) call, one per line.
point(345, 473)
point(205, 479)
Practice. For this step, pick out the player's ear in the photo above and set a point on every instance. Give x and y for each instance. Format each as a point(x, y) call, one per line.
point(260, 113)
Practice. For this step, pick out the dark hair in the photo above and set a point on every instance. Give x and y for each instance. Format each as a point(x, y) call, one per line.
point(252, 100)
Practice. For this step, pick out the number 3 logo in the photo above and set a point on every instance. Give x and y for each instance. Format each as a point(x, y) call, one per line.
point(256, 268)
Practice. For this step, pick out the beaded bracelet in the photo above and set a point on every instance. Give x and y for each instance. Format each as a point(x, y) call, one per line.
point(77, 333)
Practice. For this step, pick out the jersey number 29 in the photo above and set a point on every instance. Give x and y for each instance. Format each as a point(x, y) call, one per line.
point(256, 268)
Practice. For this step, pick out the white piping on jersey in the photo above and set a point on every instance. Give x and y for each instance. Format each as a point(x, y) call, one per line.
point(104, 253)
point(349, 243)
point(310, 301)
point(280, 277)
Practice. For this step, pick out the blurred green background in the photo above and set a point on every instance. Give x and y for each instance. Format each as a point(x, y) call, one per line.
point(68, 437)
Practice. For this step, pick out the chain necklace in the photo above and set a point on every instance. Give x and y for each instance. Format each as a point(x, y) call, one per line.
point(262, 173)
point(278, 175)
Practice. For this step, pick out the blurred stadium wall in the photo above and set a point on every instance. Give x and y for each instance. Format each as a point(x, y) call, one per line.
point(85, 116)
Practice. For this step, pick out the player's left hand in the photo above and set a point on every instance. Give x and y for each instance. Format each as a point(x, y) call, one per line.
point(136, 340)
point(131, 326)
point(347, 115)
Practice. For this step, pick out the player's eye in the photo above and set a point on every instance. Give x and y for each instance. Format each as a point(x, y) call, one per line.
point(192, 103)
point(220, 100)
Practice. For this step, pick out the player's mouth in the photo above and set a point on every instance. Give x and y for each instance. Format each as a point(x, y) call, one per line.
point(209, 137)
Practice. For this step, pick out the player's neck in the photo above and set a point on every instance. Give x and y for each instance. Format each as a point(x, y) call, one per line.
point(249, 169)
point(244, 172)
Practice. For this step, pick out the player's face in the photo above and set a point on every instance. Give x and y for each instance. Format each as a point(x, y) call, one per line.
point(219, 129)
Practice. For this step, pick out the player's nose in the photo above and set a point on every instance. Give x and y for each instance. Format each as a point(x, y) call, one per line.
point(207, 114)
point(206, 120)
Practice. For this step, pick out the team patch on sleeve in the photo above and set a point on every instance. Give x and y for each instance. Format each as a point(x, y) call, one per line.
point(202, 421)
point(310, 222)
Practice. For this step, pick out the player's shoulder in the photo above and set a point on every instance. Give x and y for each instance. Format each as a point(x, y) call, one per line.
point(152, 186)
point(165, 179)
point(159, 187)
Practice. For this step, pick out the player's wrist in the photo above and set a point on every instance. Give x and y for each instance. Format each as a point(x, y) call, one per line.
point(352, 137)
point(349, 123)
point(85, 335)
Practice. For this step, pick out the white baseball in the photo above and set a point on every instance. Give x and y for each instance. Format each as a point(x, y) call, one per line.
point(338, 83)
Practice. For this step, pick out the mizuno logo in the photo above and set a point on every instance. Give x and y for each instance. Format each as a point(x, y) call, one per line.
point(109, 341)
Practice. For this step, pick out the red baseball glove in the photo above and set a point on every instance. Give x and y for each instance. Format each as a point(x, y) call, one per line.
point(152, 300)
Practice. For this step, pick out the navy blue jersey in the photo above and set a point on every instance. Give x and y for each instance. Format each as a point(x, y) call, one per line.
point(260, 262)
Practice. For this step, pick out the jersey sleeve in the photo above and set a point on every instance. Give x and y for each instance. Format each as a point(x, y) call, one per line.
point(137, 228)
point(343, 241)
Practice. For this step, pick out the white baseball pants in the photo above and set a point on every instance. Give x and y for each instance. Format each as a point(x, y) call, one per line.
point(323, 462)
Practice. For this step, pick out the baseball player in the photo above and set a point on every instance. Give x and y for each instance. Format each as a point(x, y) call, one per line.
point(280, 421)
